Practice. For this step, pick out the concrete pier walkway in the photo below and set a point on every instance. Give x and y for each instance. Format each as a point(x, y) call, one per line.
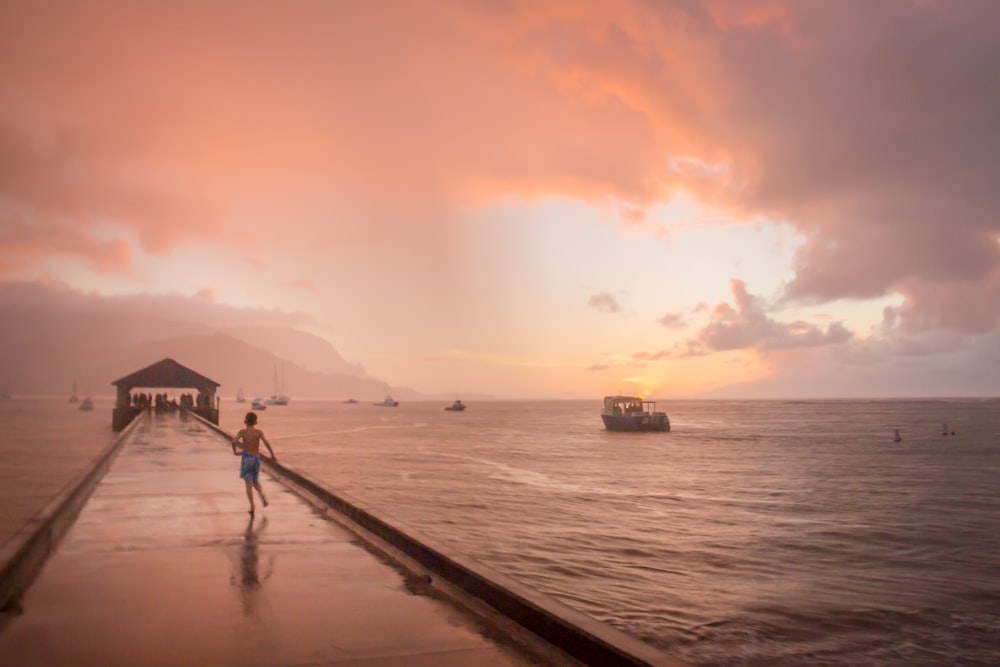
point(165, 567)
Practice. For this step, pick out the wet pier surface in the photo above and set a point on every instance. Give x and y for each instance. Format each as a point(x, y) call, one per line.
point(164, 566)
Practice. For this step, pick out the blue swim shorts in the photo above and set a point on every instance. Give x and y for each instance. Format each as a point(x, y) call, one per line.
point(249, 467)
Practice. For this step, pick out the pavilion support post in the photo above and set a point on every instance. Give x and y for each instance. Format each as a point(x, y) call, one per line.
point(212, 407)
point(124, 411)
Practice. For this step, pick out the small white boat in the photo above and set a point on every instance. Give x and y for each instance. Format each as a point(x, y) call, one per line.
point(457, 406)
point(389, 402)
point(86, 405)
point(258, 404)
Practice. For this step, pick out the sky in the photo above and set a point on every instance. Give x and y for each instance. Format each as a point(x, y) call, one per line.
point(729, 198)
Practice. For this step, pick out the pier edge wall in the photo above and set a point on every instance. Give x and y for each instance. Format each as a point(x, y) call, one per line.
point(24, 555)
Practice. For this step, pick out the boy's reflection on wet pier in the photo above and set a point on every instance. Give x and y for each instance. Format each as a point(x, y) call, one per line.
point(249, 578)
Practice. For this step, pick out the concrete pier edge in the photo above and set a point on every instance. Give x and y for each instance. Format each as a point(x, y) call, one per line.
point(582, 637)
point(24, 555)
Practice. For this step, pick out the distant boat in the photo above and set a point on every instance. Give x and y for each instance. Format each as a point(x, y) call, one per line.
point(389, 402)
point(86, 405)
point(457, 406)
point(73, 398)
point(258, 404)
point(632, 413)
point(351, 400)
point(279, 397)
point(240, 398)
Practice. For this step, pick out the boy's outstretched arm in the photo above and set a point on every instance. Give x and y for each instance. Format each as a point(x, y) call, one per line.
point(268, 445)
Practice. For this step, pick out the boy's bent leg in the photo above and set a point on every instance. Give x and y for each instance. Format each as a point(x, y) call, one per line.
point(256, 485)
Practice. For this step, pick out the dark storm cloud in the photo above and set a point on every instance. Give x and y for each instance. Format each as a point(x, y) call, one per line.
point(873, 129)
point(747, 324)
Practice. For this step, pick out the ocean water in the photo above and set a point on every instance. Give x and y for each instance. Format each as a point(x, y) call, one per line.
point(44, 444)
point(755, 533)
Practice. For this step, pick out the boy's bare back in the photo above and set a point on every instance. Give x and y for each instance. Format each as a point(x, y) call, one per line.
point(249, 440)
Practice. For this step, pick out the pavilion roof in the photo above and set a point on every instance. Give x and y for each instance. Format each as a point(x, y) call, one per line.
point(166, 373)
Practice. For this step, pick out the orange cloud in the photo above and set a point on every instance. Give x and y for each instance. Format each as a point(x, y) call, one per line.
point(24, 244)
point(538, 100)
point(55, 193)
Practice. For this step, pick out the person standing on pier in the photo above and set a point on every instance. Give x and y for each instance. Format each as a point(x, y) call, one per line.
point(249, 440)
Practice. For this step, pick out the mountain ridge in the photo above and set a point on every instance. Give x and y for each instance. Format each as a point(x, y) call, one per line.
point(43, 350)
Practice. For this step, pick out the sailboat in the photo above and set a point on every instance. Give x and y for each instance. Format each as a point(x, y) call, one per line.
point(240, 398)
point(86, 404)
point(279, 397)
point(73, 398)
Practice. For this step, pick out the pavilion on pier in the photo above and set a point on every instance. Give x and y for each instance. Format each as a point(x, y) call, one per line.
point(165, 373)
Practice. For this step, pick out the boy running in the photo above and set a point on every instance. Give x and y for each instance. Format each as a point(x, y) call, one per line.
point(250, 461)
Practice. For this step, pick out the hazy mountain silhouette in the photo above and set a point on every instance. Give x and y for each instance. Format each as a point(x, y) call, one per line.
point(43, 350)
point(238, 365)
point(299, 347)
